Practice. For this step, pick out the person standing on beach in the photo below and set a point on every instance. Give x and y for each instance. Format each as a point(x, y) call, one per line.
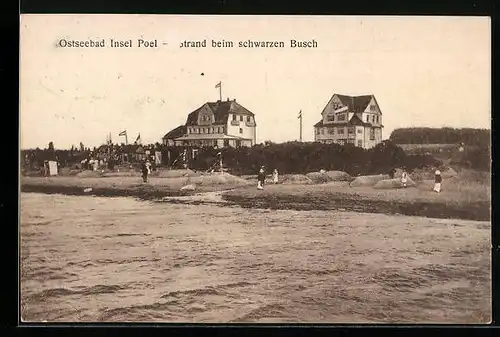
point(145, 171)
point(392, 172)
point(275, 176)
point(404, 178)
point(261, 178)
point(437, 181)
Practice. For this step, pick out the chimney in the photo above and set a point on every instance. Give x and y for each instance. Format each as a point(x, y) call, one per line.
point(234, 99)
point(228, 99)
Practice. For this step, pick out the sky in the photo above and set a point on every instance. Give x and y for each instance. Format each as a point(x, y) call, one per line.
point(423, 71)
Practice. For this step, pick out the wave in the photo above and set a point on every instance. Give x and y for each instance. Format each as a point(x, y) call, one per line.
point(264, 311)
point(59, 292)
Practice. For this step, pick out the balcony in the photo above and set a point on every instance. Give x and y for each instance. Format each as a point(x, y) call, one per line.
point(250, 124)
point(235, 122)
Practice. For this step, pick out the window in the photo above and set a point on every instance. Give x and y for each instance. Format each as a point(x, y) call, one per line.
point(321, 131)
point(378, 119)
point(341, 117)
point(249, 119)
point(373, 119)
point(350, 131)
point(350, 141)
point(234, 117)
point(360, 143)
point(238, 142)
point(368, 118)
point(340, 131)
point(372, 134)
point(226, 142)
point(330, 118)
point(316, 130)
point(241, 130)
point(331, 131)
point(360, 130)
point(241, 118)
point(373, 107)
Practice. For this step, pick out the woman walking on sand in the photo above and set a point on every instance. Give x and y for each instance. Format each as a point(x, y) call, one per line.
point(275, 176)
point(261, 178)
point(437, 181)
point(404, 178)
point(145, 171)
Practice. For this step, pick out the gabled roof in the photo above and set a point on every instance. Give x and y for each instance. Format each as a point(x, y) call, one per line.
point(221, 111)
point(175, 133)
point(356, 103)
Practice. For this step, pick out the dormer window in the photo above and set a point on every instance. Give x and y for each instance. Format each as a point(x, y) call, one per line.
point(249, 119)
point(234, 117)
point(341, 117)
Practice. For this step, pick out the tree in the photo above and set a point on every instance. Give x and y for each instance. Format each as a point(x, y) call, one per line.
point(51, 146)
point(82, 147)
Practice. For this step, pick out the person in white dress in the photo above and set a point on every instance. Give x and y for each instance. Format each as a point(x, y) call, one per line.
point(404, 178)
point(275, 176)
point(437, 181)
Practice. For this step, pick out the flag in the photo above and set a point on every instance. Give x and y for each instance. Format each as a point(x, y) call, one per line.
point(218, 85)
point(138, 138)
point(300, 114)
point(123, 133)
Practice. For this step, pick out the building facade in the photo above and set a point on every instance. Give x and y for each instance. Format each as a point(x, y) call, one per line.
point(355, 120)
point(217, 124)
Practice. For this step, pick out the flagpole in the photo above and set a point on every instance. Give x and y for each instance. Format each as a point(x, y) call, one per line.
point(220, 91)
point(300, 118)
point(126, 138)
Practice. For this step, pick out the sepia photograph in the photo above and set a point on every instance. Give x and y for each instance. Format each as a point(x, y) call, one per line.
point(255, 169)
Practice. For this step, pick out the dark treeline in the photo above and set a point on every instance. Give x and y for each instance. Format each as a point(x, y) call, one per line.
point(296, 157)
point(290, 157)
point(468, 136)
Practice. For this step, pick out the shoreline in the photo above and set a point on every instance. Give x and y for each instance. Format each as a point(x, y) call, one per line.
point(478, 211)
point(280, 197)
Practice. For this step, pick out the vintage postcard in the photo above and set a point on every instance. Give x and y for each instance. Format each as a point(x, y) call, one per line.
point(255, 169)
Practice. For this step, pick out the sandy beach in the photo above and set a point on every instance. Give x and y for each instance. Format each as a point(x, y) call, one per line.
point(461, 198)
